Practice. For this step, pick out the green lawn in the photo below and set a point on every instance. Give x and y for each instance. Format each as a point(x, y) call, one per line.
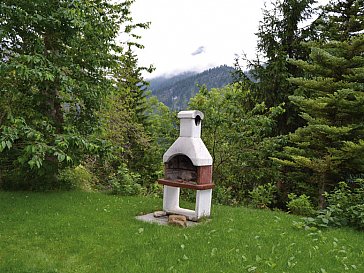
point(92, 232)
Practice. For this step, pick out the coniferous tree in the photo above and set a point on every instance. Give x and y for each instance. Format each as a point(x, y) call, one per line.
point(331, 99)
point(279, 38)
point(338, 20)
point(329, 72)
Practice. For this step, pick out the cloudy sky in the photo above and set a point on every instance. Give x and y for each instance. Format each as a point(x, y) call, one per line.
point(196, 34)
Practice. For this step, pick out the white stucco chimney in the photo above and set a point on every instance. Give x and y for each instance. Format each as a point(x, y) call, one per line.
point(190, 123)
point(189, 142)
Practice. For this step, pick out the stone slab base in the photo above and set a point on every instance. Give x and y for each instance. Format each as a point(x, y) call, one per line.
point(162, 220)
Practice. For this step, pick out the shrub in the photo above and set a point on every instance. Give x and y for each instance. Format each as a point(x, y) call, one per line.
point(263, 195)
point(125, 182)
point(155, 190)
point(356, 216)
point(223, 195)
point(345, 207)
point(300, 205)
point(345, 204)
point(78, 178)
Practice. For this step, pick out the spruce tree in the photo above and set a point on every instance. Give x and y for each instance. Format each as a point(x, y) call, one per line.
point(331, 100)
point(338, 20)
point(279, 38)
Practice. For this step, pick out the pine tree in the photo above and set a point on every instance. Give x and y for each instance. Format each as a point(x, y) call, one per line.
point(279, 38)
point(338, 20)
point(331, 98)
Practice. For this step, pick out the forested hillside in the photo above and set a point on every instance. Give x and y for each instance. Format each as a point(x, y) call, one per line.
point(176, 91)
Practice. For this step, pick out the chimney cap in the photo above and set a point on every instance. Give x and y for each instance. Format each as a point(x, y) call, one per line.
point(190, 114)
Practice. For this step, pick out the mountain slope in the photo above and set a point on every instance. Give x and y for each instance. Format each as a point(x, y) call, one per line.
point(175, 92)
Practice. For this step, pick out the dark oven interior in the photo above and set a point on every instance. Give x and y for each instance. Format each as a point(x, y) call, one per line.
point(180, 167)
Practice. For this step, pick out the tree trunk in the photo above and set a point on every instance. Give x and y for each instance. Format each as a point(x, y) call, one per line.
point(53, 107)
point(53, 100)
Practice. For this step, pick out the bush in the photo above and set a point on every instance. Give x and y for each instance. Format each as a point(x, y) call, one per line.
point(263, 195)
point(224, 196)
point(345, 207)
point(356, 216)
point(78, 178)
point(125, 182)
point(300, 205)
point(155, 190)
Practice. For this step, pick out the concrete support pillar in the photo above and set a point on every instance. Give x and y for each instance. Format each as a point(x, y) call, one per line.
point(171, 198)
point(202, 207)
point(203, 203)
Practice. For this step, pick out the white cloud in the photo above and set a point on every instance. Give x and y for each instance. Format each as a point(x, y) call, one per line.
point(179, 27)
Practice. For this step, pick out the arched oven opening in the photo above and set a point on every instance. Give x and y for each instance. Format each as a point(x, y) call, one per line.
point(180, 168)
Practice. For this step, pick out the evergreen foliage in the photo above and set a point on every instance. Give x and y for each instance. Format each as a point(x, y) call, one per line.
point(338, 20)
point(279, 38)
point(123, 120)
point(331, 99)
point(175, 92)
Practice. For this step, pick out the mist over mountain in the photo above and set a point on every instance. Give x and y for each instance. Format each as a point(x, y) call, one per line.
point(176, 91)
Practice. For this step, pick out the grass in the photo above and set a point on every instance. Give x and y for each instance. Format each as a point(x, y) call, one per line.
point(92, 232)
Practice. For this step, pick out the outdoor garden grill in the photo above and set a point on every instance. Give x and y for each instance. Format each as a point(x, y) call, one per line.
point(188, 164)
